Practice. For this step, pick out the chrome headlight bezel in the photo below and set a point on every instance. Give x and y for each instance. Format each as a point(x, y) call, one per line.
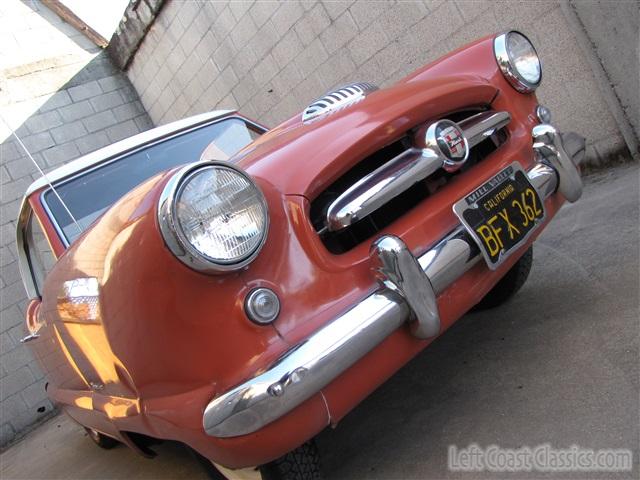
point(507, 64)
point(175, 238)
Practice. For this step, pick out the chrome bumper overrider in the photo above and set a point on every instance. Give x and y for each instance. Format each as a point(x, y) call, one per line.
point(408, 294)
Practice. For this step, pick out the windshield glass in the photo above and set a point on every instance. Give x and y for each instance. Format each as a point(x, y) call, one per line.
point(90, 193)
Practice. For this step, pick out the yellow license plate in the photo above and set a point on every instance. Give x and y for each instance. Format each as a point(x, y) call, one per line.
point(501, 213)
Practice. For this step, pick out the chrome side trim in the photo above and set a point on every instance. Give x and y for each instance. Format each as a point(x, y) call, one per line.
point(482, 125)
point(376, 189)
point(402, 172)
point(319, 359)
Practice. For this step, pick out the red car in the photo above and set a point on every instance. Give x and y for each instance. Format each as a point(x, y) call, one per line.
point(239, 289)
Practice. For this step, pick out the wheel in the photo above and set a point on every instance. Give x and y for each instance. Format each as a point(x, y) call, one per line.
point(103, 441)
point(509, 285)
point(303, 463)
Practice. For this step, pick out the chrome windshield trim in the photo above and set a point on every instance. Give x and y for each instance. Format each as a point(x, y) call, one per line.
point(178, 128)
point(402, 172)
point(104, 154)
point(327, 353)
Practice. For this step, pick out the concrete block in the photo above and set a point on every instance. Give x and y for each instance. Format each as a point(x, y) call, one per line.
point(312, 23)
point(287, 49)
point(311, 58)
point(225, 23)
point(4, 175)
point(189, 40)
point(7, 434)
point(106, 101)
point(9, 150)
point(128, 111)
point(208, 72)
point(262, 11)
point(58, 100)
point(224, 53)
point(9, 317)
point(13, 406)
point(143, 122)
point(335, 9)
point(15, 382)
point(31, 416)
point(264, 40)
point(243, 31)
point(122, 130)
point(246, 88)
point(92, 141)
point(21, 167)
point(187, 12)
point(368, 43)
point(11, 273)
point(341, 31)
point(128, 94)
point(43, 121)
point(7, 342)
point(76, 111)
point(61, 154)
point(288, 14)
point(68, 132)
point(176, 59)
point(99, 121)
point(14, 359)
point(6, 257)
point(38, 142)
point(13, 190)
point(401, 16)
point(113, 82)
point(364, 13)
point(87, 90)
point(287, 79)
point(34, 394)
point(265, 70)
point(192, 93)
point(472, 9)
point(226, 81)
point(239, 8)
point(207, 45)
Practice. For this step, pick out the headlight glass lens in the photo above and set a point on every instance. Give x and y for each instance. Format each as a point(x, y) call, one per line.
point(221, 214)
point(524, 57)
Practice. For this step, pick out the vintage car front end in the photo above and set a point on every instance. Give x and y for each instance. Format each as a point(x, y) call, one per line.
point(248, 304)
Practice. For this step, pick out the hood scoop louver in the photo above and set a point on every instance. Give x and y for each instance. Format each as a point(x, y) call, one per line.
point(337, 99)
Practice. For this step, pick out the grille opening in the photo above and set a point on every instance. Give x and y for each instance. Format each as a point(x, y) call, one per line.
point(344, 240)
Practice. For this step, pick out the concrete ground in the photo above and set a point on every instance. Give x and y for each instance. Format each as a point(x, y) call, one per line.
point(558, 364)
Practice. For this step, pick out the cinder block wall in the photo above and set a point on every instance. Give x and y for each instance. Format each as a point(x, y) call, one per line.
point(270, 59)
point(64, 99)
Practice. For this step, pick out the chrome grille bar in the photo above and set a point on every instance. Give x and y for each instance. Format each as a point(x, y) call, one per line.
point(401, 173)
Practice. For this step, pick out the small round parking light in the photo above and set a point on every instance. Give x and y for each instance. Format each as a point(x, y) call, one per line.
point(543, 114)
point(262, 306)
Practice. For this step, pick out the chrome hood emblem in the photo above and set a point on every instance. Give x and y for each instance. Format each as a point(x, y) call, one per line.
point(447, 139)
point(337, 99)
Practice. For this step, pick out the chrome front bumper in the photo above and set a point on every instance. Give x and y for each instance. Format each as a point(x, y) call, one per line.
point(408, 294)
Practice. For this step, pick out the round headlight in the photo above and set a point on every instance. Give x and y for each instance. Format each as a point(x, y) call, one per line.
point(518, 60)
point(213, 217)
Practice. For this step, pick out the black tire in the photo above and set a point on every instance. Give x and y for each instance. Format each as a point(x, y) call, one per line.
point(509, 285)
point(103, 441)
point(303, 463)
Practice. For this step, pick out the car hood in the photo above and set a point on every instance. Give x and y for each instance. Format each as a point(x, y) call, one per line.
point(300, 158)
